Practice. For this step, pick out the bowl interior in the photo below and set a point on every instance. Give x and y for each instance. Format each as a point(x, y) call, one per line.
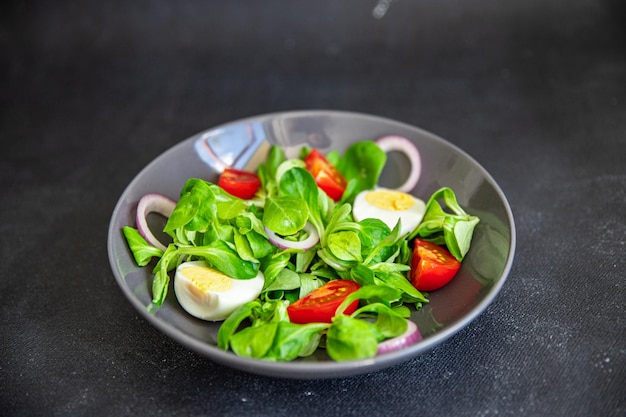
point(244, 144)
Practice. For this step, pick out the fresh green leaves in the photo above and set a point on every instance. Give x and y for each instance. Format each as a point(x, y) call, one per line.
point(161, 280)
point(345, 245)
point(230, 325)
point(299, 183)
point(349, 338)
point(267, 170)
point(211, 225)
point(285, 215)
point(451, 229)
point(224, 258)
point(361, 165)
point(357, 336)
point(195, 208)
point(271, 336)
point(142, 251)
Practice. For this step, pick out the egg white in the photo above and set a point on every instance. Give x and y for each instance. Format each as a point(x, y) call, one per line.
point(216, 297)
point(410, 217)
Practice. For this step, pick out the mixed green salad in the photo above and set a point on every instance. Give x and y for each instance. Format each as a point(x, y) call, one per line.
point(305, 253)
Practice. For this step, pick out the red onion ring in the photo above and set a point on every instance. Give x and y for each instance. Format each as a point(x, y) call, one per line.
point(402, 144)
point(305, 244)
point(152, 203)
point(409, 337)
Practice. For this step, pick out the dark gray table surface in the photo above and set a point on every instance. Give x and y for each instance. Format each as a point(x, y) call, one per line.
point(535, 90)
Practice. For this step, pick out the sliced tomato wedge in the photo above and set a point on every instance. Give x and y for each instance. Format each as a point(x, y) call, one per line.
point(242, 184)
point(321, 304)
point(432, 266)
point(327, 177)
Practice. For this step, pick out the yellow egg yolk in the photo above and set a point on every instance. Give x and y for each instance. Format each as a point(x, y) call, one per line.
point(390, 200)
point(207, 279)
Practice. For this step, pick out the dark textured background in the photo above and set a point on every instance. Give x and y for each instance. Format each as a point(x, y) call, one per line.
point(91, 91)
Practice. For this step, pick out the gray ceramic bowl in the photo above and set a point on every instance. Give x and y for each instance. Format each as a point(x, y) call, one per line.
point(243, 144)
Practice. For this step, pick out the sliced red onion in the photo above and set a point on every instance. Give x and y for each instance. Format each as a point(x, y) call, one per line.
point(401, 144)
point(152, 203)
point(411, 336)
point(305, 244)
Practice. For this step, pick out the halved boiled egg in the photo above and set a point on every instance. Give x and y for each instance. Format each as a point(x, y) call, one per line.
point(389, 206)
point(208, 294)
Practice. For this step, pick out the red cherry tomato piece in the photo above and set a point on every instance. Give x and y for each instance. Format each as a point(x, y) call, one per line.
point(242, 184)
point(432, 266)
point(321, 304)
point(327, 177)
